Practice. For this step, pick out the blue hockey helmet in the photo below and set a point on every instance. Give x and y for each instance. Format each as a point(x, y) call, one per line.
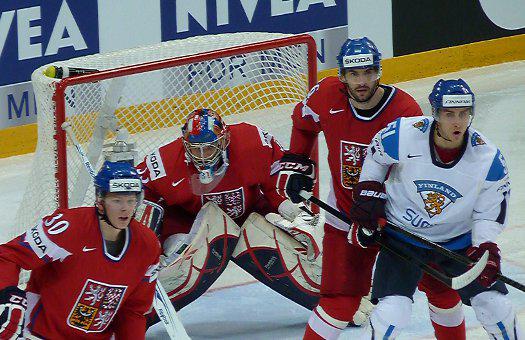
point(451, 93)
point(118, 177)
point(358, 53)
point(206, 138)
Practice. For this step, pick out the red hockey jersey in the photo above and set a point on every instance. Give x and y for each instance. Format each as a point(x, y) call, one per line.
point(247, 185)
point(77, 290)
point(347, 134)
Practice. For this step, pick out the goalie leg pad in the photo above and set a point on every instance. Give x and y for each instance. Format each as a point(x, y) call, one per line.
point(279, 261)
point(204, 260)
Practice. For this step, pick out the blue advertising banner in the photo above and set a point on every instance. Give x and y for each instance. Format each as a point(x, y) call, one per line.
point(37, 32)
point(185, 18)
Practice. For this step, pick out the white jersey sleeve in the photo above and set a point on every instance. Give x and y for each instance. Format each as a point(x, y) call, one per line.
point(382, 152)
point(490, 211)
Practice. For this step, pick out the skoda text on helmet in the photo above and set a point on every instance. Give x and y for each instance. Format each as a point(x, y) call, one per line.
point(117, 177)
point(206, 138)
point(451, 94)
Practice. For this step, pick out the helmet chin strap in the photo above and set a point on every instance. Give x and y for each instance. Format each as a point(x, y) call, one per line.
point(440, 135)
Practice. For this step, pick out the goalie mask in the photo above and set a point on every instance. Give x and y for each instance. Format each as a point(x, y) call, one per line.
point(206, 137)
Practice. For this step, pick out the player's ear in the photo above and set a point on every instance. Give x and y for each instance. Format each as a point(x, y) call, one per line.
point(99, 204)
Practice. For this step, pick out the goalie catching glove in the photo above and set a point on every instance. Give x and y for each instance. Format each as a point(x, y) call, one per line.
point(296, 173)
point(13, 305)
point(303, 225)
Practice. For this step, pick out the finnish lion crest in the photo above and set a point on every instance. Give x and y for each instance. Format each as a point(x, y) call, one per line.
point(436, 196)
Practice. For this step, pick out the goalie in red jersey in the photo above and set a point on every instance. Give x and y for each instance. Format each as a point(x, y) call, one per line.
point(93, 268)
point(349, 110)
point(209, 182)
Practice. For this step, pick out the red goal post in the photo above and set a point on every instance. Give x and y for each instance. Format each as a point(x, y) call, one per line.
point(254, 77)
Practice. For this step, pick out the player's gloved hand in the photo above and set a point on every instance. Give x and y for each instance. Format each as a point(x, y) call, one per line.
point(363, 237)
point(13, 305)
point(369, 204)
point(296, 173)
point(488, 275)
point(172, 248)
point(303, 225)
point(365, 309)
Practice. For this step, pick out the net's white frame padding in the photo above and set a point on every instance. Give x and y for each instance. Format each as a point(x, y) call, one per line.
point(266, 86)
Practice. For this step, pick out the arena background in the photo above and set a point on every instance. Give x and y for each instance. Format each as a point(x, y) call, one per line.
point(417, 38)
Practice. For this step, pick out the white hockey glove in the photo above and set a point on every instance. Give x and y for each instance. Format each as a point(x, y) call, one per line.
point(175, 244)
point(365, 309)
point(303, 226)
point(172, 248)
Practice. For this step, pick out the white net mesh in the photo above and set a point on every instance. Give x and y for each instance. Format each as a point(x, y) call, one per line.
point(259, 87)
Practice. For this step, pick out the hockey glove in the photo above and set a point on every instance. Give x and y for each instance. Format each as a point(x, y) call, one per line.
point(296, 173)
point(13, 305)
point(303, 226)
point(488, 275)
point(369, 204)
point(365, 309)
point(172, 248)
point(363, 237)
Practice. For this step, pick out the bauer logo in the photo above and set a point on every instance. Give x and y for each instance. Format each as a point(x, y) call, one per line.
point(358, 60)
point(461, 100)
point(125, 185)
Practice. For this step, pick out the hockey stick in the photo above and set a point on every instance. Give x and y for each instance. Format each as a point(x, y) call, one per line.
point(455, 282)
point(450, 254)
point(106, 121)
point(161, 302)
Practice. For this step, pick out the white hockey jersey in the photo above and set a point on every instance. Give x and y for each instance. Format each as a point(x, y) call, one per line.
point(456, 204)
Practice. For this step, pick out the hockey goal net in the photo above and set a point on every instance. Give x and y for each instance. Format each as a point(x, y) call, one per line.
point(253, 77)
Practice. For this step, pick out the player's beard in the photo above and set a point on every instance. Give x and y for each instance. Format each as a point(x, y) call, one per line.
point(354, 95)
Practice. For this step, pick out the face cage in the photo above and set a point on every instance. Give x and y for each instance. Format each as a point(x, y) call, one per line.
point(203, 162)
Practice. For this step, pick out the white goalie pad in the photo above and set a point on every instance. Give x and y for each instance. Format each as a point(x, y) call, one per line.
point(206, 257)
point(279, 261)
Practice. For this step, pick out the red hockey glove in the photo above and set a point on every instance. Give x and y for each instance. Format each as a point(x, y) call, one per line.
point(363, 237)
point(488, 275)
point(13, 305)
point(369, 204)
point(296, 173)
